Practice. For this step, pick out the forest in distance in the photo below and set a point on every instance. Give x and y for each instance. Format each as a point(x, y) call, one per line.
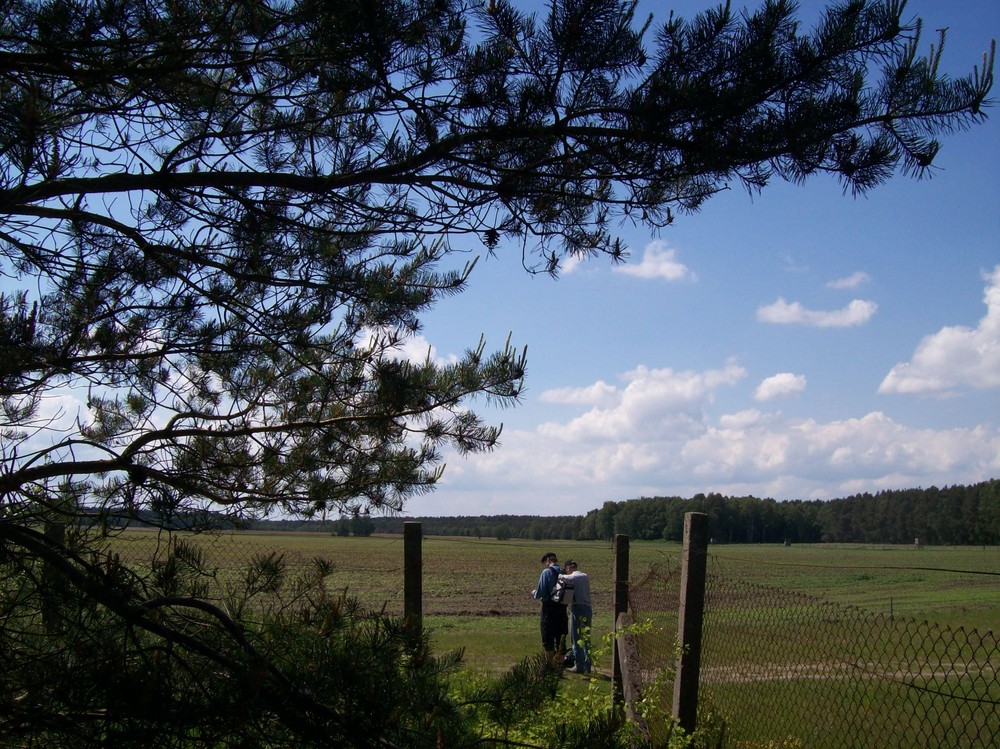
point(954, 515)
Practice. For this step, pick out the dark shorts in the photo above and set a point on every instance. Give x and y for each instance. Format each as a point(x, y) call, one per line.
point(555, 624)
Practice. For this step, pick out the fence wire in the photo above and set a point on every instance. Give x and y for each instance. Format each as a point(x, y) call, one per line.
point(461, 577)
point(785, 669)
point(782, 668)
point(224, 569)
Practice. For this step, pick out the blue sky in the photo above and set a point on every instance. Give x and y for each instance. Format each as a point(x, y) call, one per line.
point(796, 344)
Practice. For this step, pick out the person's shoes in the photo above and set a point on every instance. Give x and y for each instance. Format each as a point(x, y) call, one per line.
point(574, 670)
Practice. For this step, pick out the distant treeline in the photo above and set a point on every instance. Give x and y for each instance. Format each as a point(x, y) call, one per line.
point(502, 527)
point(958, 515)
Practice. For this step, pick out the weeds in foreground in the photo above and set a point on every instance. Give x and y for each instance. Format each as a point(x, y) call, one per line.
point(532, 705)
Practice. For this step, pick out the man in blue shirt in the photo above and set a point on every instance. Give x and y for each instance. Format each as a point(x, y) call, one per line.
point(554, 622)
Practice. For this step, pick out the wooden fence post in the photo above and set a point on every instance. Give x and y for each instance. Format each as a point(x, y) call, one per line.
point(53, 582)
point(620, 604)
point(413, 585)
point(694, 563)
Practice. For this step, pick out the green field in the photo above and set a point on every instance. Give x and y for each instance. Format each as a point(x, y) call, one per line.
point(859, 635)
point(477, 591)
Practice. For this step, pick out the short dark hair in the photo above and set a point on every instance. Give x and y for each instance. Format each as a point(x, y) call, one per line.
point(549, 555)
point(570, 563)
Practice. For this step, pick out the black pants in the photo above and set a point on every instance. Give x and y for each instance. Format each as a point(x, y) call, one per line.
point(555, 625)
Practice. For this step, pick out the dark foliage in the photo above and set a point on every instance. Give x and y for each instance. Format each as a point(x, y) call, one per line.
point(232, 215)
point(123, 660)
point(952, 515)
point(958, 515)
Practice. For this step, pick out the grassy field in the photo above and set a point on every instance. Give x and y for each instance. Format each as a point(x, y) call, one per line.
point(477, 591)
point(795, 631)
point(950, 586)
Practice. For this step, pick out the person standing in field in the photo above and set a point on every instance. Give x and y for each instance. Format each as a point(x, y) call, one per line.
point(581, 616)
point(553, 620)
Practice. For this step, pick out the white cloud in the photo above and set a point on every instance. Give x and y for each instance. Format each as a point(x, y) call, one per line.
point(869, 448)
point(413, 348)
point(741, 419)
point(418, 349)
point(852, 281)
point(59, 411)
point(658, 261)
point(598, 394)
point(569, 263)
point(955, 356)
point(779, 386)
point(659, 438)
point(858, 312)
point(660, 402)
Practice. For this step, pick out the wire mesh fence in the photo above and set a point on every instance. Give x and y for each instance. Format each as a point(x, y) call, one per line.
point(229, 570)
point(782, 668)
point(786, 669)
point(461, 576)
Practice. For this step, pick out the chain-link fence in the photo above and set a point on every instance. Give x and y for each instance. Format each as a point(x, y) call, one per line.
point(787, 669)
point(461, 576)
point(230, 570)
point(781, 668)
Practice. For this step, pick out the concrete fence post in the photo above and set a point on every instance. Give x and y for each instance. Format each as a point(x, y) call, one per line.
point(413, 585)
point(628, 650)
point(54, 584)
point(620, 604)
point(694, 564)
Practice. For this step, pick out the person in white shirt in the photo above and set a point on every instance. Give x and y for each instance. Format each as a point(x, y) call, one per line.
point(581, 616)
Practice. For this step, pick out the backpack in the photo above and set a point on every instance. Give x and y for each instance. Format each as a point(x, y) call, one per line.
point(563, 591)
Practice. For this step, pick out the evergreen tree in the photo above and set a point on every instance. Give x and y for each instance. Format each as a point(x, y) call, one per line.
point(221, 222)
point(232, 215)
